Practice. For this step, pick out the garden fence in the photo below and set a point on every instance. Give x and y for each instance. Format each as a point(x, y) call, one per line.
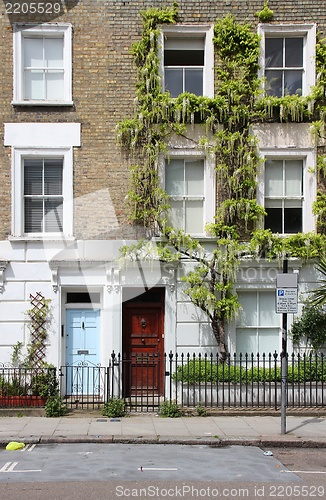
point(26, 387)
point(145, 381)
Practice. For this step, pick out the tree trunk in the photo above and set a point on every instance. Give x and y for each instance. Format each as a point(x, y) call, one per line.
point(219, 334)
point(222, 344)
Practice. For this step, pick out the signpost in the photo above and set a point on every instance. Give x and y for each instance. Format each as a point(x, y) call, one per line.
point(286, 302)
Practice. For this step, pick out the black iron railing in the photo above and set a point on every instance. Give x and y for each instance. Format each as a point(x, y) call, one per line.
point(26, 387)
point(144, 381)
point(242, 380)
point(84, 385)
point(139, 379)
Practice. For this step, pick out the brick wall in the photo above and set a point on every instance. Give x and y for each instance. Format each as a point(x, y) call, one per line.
point(103, 94)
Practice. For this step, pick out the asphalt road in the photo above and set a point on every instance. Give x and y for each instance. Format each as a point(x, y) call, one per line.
point(105, 471)
point(132, 462)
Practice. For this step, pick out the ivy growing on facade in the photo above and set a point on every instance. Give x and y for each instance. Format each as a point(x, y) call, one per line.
point(227, 121)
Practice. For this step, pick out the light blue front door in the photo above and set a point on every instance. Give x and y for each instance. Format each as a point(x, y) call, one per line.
point(82, 350)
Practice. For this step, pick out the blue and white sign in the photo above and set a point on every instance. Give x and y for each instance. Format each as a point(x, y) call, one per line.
point(286, 300)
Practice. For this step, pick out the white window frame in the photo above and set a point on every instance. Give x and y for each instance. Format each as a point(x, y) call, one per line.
point(309, 181)
point(40, 140)
point(308, 33)
point(205, 32)
point(49, 31)
point(18, 157)
point(258, 327)
point(43, 196)
point(209, 181)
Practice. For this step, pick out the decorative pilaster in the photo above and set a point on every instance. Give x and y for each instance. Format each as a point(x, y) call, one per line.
point(113, 279)
point(55, 285)
point(169, 279)
point(3, 265)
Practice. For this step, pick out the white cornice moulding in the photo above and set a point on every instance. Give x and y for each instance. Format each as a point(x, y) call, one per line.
point(42, 135)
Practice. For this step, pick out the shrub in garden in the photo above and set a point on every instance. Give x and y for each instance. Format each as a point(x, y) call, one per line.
point(115, 407)
point(307, 368)
point(201, 410)
point(170, 409)
point(311, 325)
point(54, 406)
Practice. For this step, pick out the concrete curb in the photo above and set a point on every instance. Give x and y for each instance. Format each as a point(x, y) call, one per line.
point(278, 442)
point(212, 412)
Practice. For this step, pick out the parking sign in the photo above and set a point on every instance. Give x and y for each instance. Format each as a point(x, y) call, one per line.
point(286, 293)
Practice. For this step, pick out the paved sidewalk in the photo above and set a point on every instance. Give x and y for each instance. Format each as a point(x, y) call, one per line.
point(150, 428)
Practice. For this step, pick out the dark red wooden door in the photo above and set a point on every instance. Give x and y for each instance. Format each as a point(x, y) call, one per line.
point(143, 347)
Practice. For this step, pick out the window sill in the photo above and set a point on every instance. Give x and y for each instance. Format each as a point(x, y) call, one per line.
point(42, 103)
point(289, 235)
point(59, 237)
point(201, 238)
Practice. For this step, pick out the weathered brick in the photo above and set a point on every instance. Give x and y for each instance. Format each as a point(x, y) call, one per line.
point(103, 88)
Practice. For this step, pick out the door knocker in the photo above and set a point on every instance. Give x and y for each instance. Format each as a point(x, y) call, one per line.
point(143, 323)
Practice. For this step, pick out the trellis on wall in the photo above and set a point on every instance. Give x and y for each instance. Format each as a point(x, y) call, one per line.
point(38, 315)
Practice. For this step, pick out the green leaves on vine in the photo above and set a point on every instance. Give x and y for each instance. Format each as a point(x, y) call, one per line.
point(265, 14)
point(228, 118)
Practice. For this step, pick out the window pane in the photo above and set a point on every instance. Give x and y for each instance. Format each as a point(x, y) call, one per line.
point(292, 203)
point(174, 81)
point(268, 340)
point(34, 88)
point(174, 177)
point(53, 216)
point(248, 316)
point(175, 218)
point(293, 52)
point(53, 52)
point(54, 86)
point(267, 314)
point(184, 43)
point(293, 82)
point(194, 175)
point(246, 341)
point(273, 178)
point(273, 219)
point(33, 177)
point(33, 52)
point(53, 177)
point(33, 215)
point(194, 81)
point(194, 217)
point(273, 84)
point(273, 52)
point(293, 178)
point(183, 58)
point(292, 219)
point(269, 203)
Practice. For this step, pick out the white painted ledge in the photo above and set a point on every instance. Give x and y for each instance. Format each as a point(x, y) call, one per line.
point(40, 135)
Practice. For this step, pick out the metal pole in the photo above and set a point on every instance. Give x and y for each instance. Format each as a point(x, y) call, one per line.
point(284, 366)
